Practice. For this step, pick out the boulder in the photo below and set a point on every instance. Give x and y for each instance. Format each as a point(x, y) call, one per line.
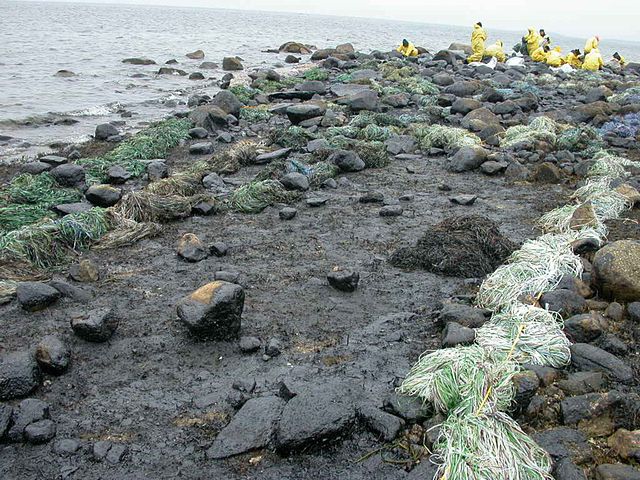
point(171, 71)
point(295, 181)
point(35, 296)
point(344, 280)
point(391, 211)
point(97, 325)
point(53, 355)
point(191, 249)
point(565, 469)
point(590, 358)
point(467, 158)
point(617, 270)
point(287, 213)
point(442, 79)
point(617, 471)
point(455, 334)
point(315, 86)
point(19, 375)
point(347, 160)
point(249, 344)
point(463, 88)
point(462, 47)
point(231, 64)
point(463, 315)
point(295, 47)
point(588, 406)
point(40, 432)
point(482, 117)
point(28, 412)
point(526, 385)
point(322, 54)
point(250, 429)
point(566, 302)
point(201, 148)
point(626, 444)
point(213, 311)
point(304, 111)
point(208, 66)
point(383, 424)
point(117, 175)
point(68, 175)
point(105, 130)
point(363, 100)
point(103, 195)
point(197, 55)
point(139, 61)
point(315, 416)
point(209, 117)
point(157, 169)
point(268, 157)
point(228, 102)
point(564, 442)
point(585, 328)
point(463, 199)
point(597, 94)
point(36, 168)
point(196, 76)
point(465, 105)
point(291, 59)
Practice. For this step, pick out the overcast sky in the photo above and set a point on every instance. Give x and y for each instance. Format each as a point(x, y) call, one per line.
point(618, 19)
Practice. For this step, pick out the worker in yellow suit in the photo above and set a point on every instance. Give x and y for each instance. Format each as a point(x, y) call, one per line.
point(554, 57)
point(592, 44)
point(533, 40)
point(496, 50)
point(407, 49)
point(593, 61)
point(573, 58)
point(540, 54)
point(619, 59)
point(478, 37)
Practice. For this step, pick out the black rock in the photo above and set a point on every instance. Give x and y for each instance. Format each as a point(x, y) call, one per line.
point(612, 344)
point(111, 452)
point(157, 169)
point(35, 296)
point(391, 211)
point(203, 148)
point(455, 334)
point(564, 442)
point(232, 63)
point(590, 358)
point(344, 280)
point(5, 418)
point(198, 132)
point(95, 326)
point(463, 315)
point(36, 168)
point(53, 160)
point(363, 100)
point(68, 175)
point(291, 59)
point(617, 471)
point(527, 384)
point(227, 102)
point(304, 111)
point(586, 327)
point(287, 213)
point(372, 197)
point(66, 446)
point(251, 429)
point(463, 199)
point(347, 160)
point(565, 469)
point(19, 375)
point(106, 130)
point(214, 310)
point(103, 195)
point(412, 409)
point(565, 302)
point(30, 410)
point(118, 175)
point(588, 406)
point(53, 355)
point(467, 158)
point(580, 383)
point(316, 416)
point(40, 432)
point(273, 347)
point(295, 181)
point(219, 249)
point(191, 249)
point(384, 424)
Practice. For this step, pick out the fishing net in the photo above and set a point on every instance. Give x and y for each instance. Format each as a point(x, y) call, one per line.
point(470, 246)
point(255, 196)
point(441, 136)
point(540, 129)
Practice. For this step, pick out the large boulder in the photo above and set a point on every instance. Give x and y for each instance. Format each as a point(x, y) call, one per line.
point(231, 64)
point(209, 117)
point(251, 428)
point(19, 375)
point(467, 158)
point(68, 175)
point(228, 102)
point(213, 311)
point(105, 130)
point(617, 270)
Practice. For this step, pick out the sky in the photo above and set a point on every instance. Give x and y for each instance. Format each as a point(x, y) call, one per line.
point(615, 19)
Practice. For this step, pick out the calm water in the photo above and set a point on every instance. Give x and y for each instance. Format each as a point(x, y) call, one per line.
point(38, 39)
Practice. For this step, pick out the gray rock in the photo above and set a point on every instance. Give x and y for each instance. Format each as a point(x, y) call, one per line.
point(291, 59)
point(565, 302)
point(463, 315)
point(565, 469)
point(411, 409)
point(590, 358)
point(384, 424)
point(492, 167)
point(111, 452)
point(198, 132)
point(227, 102)
point(219, 249)
point(40, 432)
point(617, 471)
point(588, 406)
point(580, 383)
point(117, 175)
point(586, 327)
point(465, 105)
point(209, 65)
point(463, 88)
point(30, 410)
point(105, 130)
point(633, 310)
point(455, 334)
point(66, 446)
point(442, 79)
point(53, 355)
point(344, 280)
point(103, 195)
point(287, 213)
point(527, 384)
point(53, 160)
point(19, 375)
point(251, 429)
point(315, 202)
point(197, 55)
point(209, 117)
point(463, 199)
point(191, 249)
point(316, 416)
point(295, 181)
point(270, 156)
point(203, 148)
point(231, 64)
point(564, 442)
point(68, 175)
point(97, 325)
point(6, 411)
point(214, 310)
point(391, 211)
point(347, 160)
point(35, 296)
point(363, 100)
point(213, 181)
point(139, 61)
point(249, 344)
point(304, 111)
point(36, 168)
point(157, 169)
point(467, 158)
point(397, 144)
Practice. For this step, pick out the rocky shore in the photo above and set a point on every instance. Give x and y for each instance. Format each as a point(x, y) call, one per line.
point(239, 290)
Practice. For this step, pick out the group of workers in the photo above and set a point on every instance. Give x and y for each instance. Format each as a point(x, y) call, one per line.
point(537, 45)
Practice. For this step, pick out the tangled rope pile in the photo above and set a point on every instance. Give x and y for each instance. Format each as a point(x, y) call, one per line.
point(473, 384)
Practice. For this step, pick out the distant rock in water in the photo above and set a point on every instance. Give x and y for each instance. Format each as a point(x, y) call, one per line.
point(196, 76)
point(173, 61)
point(209, 65)
point(232, 63)
point(171, 71)
point(65, 73)
point(197, 55)
point(295, 47)
point(139, 61)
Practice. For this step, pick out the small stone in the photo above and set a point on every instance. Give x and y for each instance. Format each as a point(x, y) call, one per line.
point(249, 344)
point(214, 310)
point(295, 181)
point(203, 148)
point(157, 169)
point(118, 175)
point(613, 344)
point(344, 280)
point(203, 209)
point(36, 168)
point(191, 249)
point(53, 160)
point(463, 199)
point(391, 211)
point(287, 213)
point(35, 296)
point(330, 183)
point(66, 446)
point(98, 325)
point(617, 268)
point(565, 469)
point(463, 315)
point(199, 133)
point(633, 309)
point(315, 202)
point(456, 334)
point(273, 347)
point(219, 249)
point(53, 355)
point(5, 418)
point(384, 424)
point(347, 160)
point(372, 197)
point(617, 471)
point(615, 312)
point(103, 195)
point(564, 442)
point(40, 432)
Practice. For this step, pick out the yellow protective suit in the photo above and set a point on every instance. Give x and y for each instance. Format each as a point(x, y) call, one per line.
point(539, 55)
point(496, 50)
point(591, 44)
point(478, 37)
point(573, 60)
point(593, 61)
point(408, 51)
point(554, 58)
point(533, 40)
point(622, 61)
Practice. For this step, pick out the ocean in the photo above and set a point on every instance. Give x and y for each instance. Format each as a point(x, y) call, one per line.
point(91, 40)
